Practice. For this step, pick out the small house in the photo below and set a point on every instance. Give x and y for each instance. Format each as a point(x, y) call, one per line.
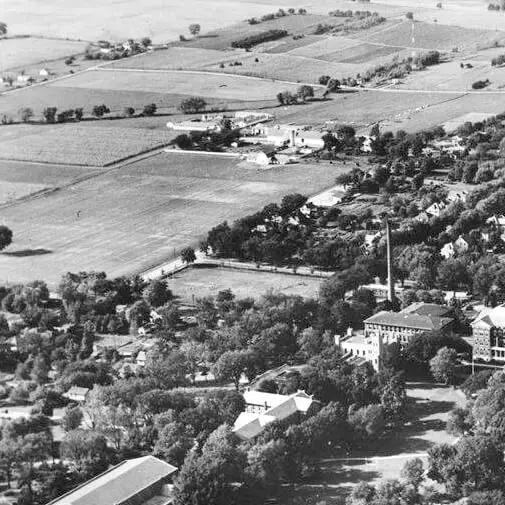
point(44, 72)
point(77, 394)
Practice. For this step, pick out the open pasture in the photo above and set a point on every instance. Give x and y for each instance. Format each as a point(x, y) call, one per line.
point(429, 36)
point(76, 144)
point(364, 53)
point(135, 217)
point(199, 282)
point(223, 87)
point(21, 52)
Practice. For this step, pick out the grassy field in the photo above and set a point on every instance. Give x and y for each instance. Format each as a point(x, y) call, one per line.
point(223, 87)
point(200, 282)
point(20, 52)
point(134, 218)
point(76, 144)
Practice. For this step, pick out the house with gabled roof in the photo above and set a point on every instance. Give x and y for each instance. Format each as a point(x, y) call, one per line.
point(265, 408)
point(139, 481)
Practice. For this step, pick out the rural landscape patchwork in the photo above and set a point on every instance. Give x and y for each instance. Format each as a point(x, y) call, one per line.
point(252, 253)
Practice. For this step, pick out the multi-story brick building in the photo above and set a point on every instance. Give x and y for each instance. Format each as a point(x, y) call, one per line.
point(488, 330)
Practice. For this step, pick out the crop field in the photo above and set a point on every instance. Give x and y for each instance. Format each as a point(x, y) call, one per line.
point(449, 76)
point(223, 87)
point(288, 44)
point(362, 108)
point(287, 67)
point(363, 53)
point(135, 217)
point(177, 58)
point(19, 52)
point(76, 144)
point(451, 107)
point(429, 36)
point(200, 282)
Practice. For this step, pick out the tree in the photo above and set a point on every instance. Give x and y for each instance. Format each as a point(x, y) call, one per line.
point(194, 29)
point(453, 273)
point(72, 418)
point(494, 497)
point(157, 293)
point(146, 42)
point(305, 92)
point(25, 114)
point(129, 111)
point(49, 114)
point(192, 104)
point(150, 109)
point(409, 15)
point(413, 472)
point(9, 456)
point(208, 479)
point(443, 365)
point(188, 255)
point(3, 29)
point(40, 370)
point(232, 364)
point(5, 237)
point(475, 463)
point(86, 450)
point(368, 422)
point(69, 60)
point(100, 110)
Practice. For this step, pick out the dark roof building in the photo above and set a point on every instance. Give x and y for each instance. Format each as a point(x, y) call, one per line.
point(401, 326)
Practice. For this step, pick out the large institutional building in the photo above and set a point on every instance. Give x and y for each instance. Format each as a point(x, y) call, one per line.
point(387, 327)
point(488, 331)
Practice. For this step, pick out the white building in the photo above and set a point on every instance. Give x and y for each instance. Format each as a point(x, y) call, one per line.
point(361, 348)
point(195, 126)
point(265, 408)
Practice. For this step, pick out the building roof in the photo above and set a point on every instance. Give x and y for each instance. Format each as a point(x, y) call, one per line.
point(249, 425)
point(426, 309)
point(118, 483)
point(409, 320)
point(77, 391)
point(491, 317)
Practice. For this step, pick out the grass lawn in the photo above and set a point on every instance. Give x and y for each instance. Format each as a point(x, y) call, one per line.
point(200, 282)
point(17, 53)
point(134, 218)
point(431, 406)
point(78, 144)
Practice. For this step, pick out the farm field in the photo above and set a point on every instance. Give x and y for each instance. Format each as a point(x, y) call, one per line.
point(40, 97)
point(223, 87)
point(430, 36)
point(449, 76)
point(76, 144)
point(20, 52)
point(200, 282)
point(223, 37)
point(18, 180)
point(287, 67)
point(134, 218)
point(452, 107)
point(362, 108)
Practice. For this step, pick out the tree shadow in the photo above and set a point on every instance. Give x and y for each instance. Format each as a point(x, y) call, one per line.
point(28, 252)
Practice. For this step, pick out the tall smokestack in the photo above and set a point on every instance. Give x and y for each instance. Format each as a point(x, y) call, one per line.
point(391, 281)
